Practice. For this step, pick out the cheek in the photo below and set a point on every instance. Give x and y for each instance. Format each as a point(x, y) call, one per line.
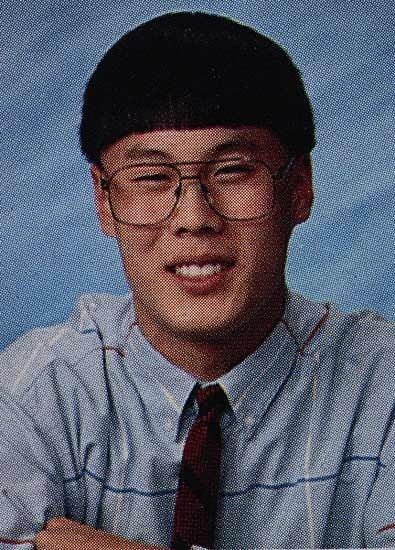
point(265, 240)
point(264, 253)
point(136, 246)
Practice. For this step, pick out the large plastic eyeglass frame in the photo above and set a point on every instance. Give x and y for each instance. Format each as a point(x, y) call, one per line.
point(277, 176)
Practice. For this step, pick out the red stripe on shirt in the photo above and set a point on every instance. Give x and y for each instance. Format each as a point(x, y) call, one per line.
point(301, 348)
point(386, 527)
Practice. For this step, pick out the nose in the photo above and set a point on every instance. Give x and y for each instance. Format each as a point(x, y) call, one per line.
point(193, 214)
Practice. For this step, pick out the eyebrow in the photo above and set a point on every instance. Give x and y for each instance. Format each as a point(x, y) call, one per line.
point(241, 143)
point(138, 152)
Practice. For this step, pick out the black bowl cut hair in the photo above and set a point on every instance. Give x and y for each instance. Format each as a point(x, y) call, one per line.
point(194, 70)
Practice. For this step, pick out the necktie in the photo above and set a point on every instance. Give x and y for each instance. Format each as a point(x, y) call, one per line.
point(196, 502)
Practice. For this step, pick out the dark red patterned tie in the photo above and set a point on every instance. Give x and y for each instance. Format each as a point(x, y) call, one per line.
point(196, 504)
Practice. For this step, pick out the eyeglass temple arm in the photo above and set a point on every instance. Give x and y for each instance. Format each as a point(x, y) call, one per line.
point(284, 171)
point(104, 184)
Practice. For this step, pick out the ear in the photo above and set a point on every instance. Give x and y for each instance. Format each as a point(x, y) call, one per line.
point(103, 210)
point(302, 194)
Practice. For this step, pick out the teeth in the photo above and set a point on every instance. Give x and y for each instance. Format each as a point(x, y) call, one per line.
point(194, 270)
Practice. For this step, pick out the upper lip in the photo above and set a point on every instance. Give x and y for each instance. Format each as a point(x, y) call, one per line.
point(200, 259)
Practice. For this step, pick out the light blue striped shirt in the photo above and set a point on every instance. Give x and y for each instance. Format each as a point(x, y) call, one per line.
point(93, 422)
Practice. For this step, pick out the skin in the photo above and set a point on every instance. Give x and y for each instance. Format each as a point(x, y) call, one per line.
point(65, 534)
point(206, 334)
point(209, 333)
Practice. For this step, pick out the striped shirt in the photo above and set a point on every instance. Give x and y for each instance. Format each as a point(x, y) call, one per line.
point(93, 421)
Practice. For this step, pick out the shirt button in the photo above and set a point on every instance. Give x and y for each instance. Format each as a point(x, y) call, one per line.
point(249, 420)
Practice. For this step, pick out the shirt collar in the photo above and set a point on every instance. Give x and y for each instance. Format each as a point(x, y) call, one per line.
point(251, 386)
point(165, 388)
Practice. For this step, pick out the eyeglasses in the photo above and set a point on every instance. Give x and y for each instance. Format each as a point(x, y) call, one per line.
point(235, 188)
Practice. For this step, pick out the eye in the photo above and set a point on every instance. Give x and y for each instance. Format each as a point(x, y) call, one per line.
point(158, 177)
point(234, 170)
point(149, 176)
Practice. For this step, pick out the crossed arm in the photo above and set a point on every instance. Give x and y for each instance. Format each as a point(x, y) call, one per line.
point(65, 534)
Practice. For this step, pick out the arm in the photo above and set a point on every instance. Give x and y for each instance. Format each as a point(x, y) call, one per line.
point(31, 493)
point(65, 534)
point(31, 488)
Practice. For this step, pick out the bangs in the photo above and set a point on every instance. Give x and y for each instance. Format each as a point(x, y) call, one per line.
point(194, 79)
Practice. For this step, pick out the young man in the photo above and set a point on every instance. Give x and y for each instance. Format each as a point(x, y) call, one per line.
point(217, 408)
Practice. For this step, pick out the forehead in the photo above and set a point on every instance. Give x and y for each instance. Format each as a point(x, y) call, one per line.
point(193, 144)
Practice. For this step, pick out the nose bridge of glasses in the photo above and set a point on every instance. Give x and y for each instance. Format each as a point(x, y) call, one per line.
point(188, 190)
point(187, 179)
point(199, 189)
point(189, 172)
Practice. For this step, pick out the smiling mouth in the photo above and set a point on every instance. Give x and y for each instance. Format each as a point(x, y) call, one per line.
point(194, 270)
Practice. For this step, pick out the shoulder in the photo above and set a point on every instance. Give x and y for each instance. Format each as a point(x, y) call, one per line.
point(97, 321)
point(349, 359)
point(351, 348)
point(357, 366)
point(363, 337)
point(324, 328)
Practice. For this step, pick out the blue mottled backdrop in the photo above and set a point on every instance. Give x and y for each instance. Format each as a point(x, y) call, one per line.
point(51, 246)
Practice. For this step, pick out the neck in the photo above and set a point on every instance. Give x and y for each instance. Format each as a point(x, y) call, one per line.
point(208, 358)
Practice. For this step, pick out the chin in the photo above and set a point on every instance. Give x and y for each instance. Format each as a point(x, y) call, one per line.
point(201, 327)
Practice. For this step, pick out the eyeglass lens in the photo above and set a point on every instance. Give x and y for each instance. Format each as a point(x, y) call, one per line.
point(146, 194)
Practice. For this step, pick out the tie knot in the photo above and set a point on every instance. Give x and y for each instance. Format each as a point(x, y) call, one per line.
point(212, 401)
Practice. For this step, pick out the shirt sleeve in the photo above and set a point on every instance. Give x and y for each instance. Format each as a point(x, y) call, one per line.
point(31, 487)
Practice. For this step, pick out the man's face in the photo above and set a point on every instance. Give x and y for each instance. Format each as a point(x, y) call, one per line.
point(251, 255)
